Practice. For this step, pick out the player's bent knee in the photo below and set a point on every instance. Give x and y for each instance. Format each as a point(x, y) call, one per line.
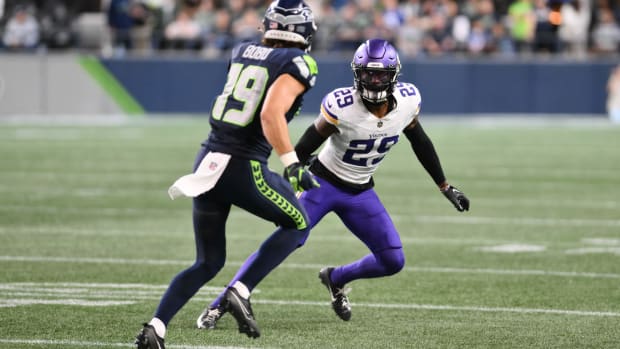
point(392, 260)
point(210, 267)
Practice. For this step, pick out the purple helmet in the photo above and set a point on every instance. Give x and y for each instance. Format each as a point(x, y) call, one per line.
point(289, 20)
point(376, 67)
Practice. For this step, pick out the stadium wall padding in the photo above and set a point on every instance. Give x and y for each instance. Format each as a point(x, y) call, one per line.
point(73, 84)
point(490, 87)
point(40, 84)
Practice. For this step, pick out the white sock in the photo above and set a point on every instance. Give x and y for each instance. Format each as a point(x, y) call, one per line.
point(159, 327)
point(242, 289)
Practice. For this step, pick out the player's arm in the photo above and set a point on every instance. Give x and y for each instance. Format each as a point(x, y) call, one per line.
point(425, 152)
point(313, 137)
point(280, 97)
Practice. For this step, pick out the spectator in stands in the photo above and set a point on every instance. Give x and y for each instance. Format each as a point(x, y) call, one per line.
point(185, 32)
point(409, 37)
point(219, 38)
point(438, 39)
point(546, 32)
point(393, 17)
point(246, 27)
point(479, 39)
point(434, 27)
point(606, 34)
point(379, 28)
point(123, 16)
point(350, 30)
point(460, 28)
point(57, 25)
point(328, 20)
point(22, 30)
point(522, 24)
point(162, 13)
point(501, 44)
point(573, 31)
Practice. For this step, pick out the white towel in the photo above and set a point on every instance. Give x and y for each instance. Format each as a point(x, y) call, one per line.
point(207, 174)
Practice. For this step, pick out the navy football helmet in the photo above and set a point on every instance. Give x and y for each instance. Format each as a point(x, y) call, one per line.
point(289, 20)
point(376, 67)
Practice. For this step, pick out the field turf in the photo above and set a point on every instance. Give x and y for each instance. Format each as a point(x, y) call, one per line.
point(89, 240)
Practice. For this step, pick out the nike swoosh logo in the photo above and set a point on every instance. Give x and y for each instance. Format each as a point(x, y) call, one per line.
point(245, 311)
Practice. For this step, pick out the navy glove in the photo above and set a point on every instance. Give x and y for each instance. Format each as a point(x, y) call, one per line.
point(457, 198)
point(300, 178)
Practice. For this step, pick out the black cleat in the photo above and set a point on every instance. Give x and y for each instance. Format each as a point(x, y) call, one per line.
point(148, 339)
point(340, 301)
point(241, 309)
point(209, 317)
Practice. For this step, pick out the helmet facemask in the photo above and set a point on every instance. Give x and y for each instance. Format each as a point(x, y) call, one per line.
point(375, 85)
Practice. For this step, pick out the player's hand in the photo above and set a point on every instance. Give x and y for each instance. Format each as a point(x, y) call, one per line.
point(300, 178)
point(457, 198)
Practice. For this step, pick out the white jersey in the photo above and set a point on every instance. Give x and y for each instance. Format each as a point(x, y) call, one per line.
point(355, 151)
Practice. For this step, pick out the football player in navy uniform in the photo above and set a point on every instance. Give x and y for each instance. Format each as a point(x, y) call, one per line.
point(263, 91)
point(360, 124)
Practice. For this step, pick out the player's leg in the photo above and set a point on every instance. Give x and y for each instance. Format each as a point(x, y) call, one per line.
point(272, 198)
point(209, 233)
point(367, 218)
point(317, 204)
point(217, 308)
point(209, 219)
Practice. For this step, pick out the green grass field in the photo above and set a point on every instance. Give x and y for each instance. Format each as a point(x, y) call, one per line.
point(89, 241)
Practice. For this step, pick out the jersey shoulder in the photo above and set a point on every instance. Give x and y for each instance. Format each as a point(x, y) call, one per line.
point(278, 61)
point(299, 64)
point(408, 96)
point(335, 102)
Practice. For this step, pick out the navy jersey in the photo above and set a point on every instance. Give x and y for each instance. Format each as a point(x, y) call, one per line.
point(235, 116)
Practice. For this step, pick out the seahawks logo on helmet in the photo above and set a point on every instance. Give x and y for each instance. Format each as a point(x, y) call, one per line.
point(289, 20)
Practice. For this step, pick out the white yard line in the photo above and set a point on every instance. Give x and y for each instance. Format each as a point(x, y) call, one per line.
point(519, 221)
point(86, 344)
point(455, 308)
point(31, 288)
point(41, 259)
point(14, 302)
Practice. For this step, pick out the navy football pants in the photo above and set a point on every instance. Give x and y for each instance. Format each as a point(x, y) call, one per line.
point(250, 185)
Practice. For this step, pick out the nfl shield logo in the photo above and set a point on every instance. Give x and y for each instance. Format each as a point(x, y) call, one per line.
point(212, 166)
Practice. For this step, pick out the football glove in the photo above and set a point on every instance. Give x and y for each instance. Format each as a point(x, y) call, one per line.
point(457, 198)
point(300, 178)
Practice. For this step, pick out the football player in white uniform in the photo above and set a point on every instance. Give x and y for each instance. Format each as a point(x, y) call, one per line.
point(360, 124)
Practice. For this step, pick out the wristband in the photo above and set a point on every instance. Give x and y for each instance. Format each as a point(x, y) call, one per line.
point(289, 158)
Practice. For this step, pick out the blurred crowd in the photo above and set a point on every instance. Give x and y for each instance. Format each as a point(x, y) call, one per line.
point(419, 28)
